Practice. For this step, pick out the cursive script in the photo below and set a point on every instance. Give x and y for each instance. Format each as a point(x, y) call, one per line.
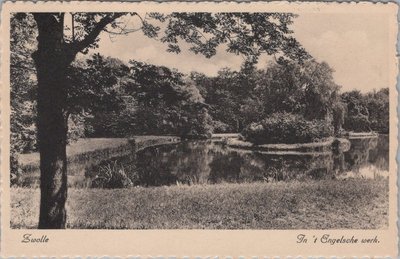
point(28, 238)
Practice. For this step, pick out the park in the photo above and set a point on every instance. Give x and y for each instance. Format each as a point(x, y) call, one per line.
point(104, 142)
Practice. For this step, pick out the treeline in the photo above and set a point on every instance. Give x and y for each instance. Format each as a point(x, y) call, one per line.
point(366, 112)
point(283, 103)
point(290, 103)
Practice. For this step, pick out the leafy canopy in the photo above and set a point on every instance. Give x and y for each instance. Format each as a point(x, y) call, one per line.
point(247, 34)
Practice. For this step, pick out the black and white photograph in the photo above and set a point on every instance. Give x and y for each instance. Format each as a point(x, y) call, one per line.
point(202, 129)
point(198, 121)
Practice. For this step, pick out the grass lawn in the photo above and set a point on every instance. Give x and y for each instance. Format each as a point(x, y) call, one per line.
point(78, 147)
point(87, 145)
point(334, 204)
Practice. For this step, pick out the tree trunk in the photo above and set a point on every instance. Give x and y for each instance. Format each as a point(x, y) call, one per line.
point(52, 59)
point(51, 62)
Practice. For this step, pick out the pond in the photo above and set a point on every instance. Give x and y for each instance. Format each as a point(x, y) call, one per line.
point(210, 162)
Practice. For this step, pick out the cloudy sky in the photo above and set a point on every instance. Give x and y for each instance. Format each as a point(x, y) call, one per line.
point(354, 45)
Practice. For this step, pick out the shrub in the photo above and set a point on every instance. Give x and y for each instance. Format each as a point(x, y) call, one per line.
point(287, 128)
point(112, 175)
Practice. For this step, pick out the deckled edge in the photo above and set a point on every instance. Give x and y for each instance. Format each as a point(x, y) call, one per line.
point(341, 2)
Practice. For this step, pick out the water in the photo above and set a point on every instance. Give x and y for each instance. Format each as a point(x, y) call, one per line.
point(208, 162)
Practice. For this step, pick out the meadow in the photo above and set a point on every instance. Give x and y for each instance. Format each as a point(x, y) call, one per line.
point(327, 204)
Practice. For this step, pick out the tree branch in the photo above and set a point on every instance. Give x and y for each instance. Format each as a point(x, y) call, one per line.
point(91, 37)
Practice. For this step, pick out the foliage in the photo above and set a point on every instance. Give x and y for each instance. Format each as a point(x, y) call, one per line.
point(111, 175)
point(92, 87)
point(155, 101)
point(366, 112)
point(239, 98)
point(287, 128)
point(229, 96)
point(357, 123)
point(248, 34)
point(95, 90)
point(196, 122)
point(338, 116)
point(378, 109)
point(22, 90)
point(307, 89)
point(23, 84)
point(76, 127)
point(94, 84)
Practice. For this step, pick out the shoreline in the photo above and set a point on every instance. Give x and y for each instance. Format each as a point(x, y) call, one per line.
point(342, 144)
point(88, 152)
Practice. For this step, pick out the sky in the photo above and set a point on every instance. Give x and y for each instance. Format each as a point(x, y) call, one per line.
point(354, 45)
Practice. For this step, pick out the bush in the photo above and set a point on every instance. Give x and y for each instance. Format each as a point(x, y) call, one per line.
point(287, 128)
point(112, 175)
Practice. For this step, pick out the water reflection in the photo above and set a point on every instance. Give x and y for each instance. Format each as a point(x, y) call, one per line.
point(367, 158)
point(201, 162)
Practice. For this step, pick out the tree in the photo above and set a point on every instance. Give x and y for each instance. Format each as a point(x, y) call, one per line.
point(248, 34)
point(95, 87)
point(22, 88)
point(23, 85)
point(238, 98)
point(231, 97)
point(357, 118)
point(377, 104)
point(307, 89)
point(366, 112)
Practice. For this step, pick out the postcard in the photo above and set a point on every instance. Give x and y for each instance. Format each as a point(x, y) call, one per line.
point(205, 129)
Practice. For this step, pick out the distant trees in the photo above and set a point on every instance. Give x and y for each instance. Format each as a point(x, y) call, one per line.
point(94, 89)
point(289, 128)
point(155, 101)
point(366, 112)
point(252, 95)
point(307, 89)
point(377, 103)
point(225, 95)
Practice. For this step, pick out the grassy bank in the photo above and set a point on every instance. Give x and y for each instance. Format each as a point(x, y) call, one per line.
point(225, 135)
point(350, 204)
point(236, 143)
point(88, 152)
point(300, 147)
point(357, 135)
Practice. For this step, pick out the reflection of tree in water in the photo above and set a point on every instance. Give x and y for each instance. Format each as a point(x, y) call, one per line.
point(191, 162)
point(362, 152)
point(379, 156)
point(339, 164)
point(237, 166)
point(168, 164)
point(152, 168)
point(199, 162)
point(225, 167)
